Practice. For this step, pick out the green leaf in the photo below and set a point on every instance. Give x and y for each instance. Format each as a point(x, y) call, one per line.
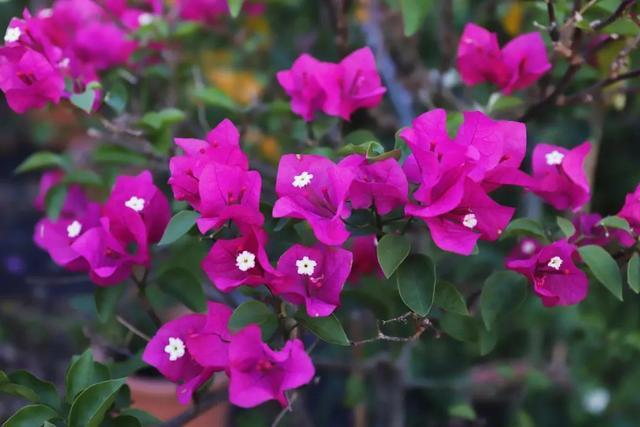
point(454, 120)
point(462, 410)
point(216, 98)
point(54, 201)
point(45, 391)
point(91, 405)
point(615, 222)
point(235, 6)
point(106, 298)
point(123, 421)
point(393, 249)
point(566, 226)
point(524, 226)
point(179, 225)
point(254, 312)
point(502, 293)
point(461, 328)
point(83, 372)
point(117, 155)
point(31, 416)
point(83, 177)
point(416, 280)
point(371, 149)
point(145, 418)
point(355, 391)
point(449, 299)
point(359, 137)
point(487, 340)
point(42, 160)
point(17, 390)
point(185, 287)
point(604, 268)
point(117, 97)
point(498, 102)
point(84, 100)
point(633, 273)
point(413, 14)
point(328, 328)
point(157, 120)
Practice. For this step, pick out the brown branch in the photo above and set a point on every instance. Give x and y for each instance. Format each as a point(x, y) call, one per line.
point(622, 7)
point(553, 23)
point(422, 325)
point(587, 95)
point(205, 403)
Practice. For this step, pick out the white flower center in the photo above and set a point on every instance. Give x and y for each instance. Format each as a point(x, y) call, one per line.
point(528, 247)
point(74, 229)
point(135, 203)
point(12, 35)
point(175, 349)
point(145, 19)
point(554, 158)
point(245, 261)
point(64, 63)
point(302, 180)
point(306, 266)
point(470, 221)
point(555, 263)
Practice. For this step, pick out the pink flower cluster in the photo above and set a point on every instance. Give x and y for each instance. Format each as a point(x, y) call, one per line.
point(336, 89)
point(190, 349)
point(210, 11)
point(60, 51)
point(519, 64)
point(104, 240)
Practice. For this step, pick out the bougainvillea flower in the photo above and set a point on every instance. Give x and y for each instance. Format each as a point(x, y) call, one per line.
point(238, 262)
point(103, 45)
point(631, 210)
point(209, 11)
point(313, 276)
point(526, 59)
point(308, 83)
point(28, 79)
point(137, 206)
point(209, 347)
point(479, 58)
point(168, 353)
point(359, 85)
point(258, 374)
point(312, 187)
point(229, 193)
point(457, 229)
point(57, 237)
point(365, 258)
point(590, 232)
point(559, 175)
point(524, 250)
point(109, 259)
point(519, 64)
point(222, 145)
point(381, 183)
point(554, 275)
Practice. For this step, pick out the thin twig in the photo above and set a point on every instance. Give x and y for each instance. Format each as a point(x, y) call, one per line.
point(587, 95)
point(553, 23)
point(285, 410)
point(133, 329)
point(624, 5)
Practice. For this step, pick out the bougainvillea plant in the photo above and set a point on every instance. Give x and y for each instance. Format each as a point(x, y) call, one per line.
point(347, 233)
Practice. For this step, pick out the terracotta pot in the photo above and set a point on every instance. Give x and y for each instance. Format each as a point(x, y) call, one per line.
point(158, 397)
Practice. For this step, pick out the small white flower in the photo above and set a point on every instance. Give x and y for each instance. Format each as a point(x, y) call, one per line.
point(245, 261)
point(12, 35)
point(554, 158)
point(46, 13)
point(306, 266)
point(470, 221)
point(74, 229)
point(596, 401)
point(175, 349)
point(135, 203)
point(555, 263)
point(64, 63)
point(302, 180)
point(528, 247)
point(145, 19)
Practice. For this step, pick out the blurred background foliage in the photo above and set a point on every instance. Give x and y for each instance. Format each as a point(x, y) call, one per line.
point(573, 366)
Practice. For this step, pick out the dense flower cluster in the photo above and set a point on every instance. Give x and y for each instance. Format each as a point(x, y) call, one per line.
point(105, 240)
point(520, 63)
